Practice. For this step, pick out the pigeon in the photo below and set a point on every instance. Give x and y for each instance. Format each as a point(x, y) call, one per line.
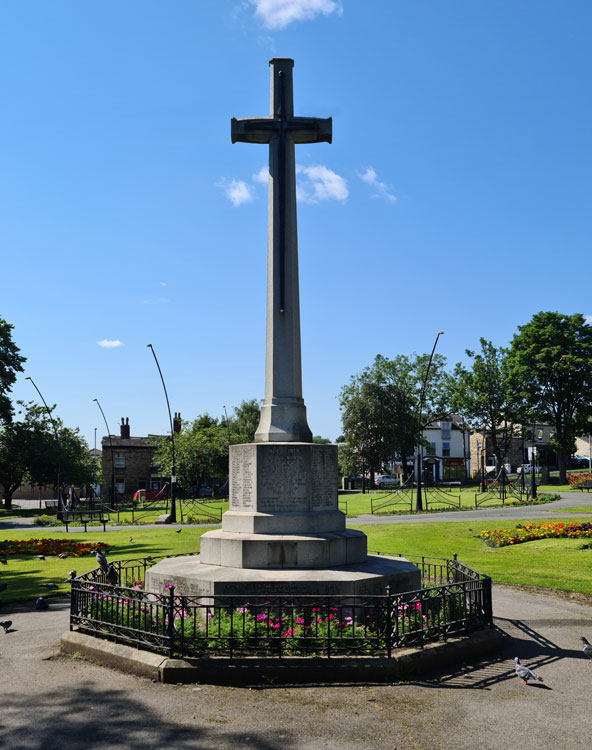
point(112, 576)
point(102, 561)
point(71, 574)
point(50, 585)
point(40, 557)
point(63, 555)
point(3, 587)
point(178, 531)
point(40, 603)
point(131, 539)
point(6, 625)
point(587, 649)
point(524, 673)
point(3, 560)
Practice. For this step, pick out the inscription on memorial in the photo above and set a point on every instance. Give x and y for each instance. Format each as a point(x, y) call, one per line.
point(282, 479)
point(242, 474)
point(324, 478)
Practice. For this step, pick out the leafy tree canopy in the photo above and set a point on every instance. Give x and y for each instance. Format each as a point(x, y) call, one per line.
point(484, 396)
point(11, 362)
point(550, 366)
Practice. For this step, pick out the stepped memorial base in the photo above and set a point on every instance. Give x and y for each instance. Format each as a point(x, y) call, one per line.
point(371, 577)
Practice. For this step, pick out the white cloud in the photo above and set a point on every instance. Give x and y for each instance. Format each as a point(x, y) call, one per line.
point(277, 14)
point(383, 190)
point(110, 343)
point(319, 183)
point(262, 175)
point(237, 191)
point(588, 319)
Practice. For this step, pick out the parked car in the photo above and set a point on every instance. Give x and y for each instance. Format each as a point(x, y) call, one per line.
point(387, 480)
point(526, 469)
point(205, 491)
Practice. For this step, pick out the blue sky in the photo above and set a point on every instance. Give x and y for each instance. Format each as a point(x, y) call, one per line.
point(455, 195)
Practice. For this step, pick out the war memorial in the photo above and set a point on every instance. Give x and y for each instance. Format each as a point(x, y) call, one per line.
point(283, 532)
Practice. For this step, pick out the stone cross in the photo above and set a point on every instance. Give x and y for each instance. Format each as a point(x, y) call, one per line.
point(283, 414)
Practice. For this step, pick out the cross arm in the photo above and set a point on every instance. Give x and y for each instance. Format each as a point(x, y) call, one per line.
point(310, 129)
point(252, 129)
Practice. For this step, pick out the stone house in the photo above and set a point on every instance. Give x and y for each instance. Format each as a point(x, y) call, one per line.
point(130, 461)
point(518, 450)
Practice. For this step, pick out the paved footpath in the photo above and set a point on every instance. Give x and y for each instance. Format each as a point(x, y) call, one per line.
point(548, 511)
point(51, 702)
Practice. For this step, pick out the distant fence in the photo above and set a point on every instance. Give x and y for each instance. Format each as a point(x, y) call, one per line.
point(454, 600)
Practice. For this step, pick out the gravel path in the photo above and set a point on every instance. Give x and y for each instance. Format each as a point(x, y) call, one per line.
point(51, 702)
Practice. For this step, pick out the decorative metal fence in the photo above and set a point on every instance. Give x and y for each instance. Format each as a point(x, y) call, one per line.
point(454, 600)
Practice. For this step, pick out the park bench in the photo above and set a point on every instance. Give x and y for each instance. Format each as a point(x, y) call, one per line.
point(51, 505)
point(586, 485)
point(84, 517)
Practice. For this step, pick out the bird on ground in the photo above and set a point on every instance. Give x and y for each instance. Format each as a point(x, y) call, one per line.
point(4, 561)
point(3, 587)
point(62, 555)
point(587, 649)
point(50, 585)
point(40, 557)
point(102, 561)
point(178, 531)
point(524, 673)
point(40, 603)
point(6, 625)
point(71, 574)
point(131, 539)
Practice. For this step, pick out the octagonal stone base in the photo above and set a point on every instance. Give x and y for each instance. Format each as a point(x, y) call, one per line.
point(371, 577)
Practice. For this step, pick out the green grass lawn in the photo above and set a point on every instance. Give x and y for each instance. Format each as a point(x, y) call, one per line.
point(572, 509)
point(405, 502)
point(26, 575)
point(547, 563)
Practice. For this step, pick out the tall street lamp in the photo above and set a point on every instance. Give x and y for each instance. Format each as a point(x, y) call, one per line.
point(533, 487)
point(57, 439)
point(419, 501)
point(112, 502)
point(173, 514)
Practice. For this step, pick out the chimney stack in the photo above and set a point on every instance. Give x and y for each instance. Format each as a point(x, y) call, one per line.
point(125, 428)
point(177, 423)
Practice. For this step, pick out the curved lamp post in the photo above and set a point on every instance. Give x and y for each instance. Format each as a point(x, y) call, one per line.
point(173, 514)
point(55, 432)
point(419, 500)
point(96, 400)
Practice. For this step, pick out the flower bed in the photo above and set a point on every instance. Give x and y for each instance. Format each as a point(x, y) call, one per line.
point(541, 499)
point(577, 480)
point(530, 532)
point(49, 547)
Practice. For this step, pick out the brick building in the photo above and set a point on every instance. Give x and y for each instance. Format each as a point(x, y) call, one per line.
point(517, 451)
point(130, 460)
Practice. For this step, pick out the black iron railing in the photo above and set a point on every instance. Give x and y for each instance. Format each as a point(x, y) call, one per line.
point(454, 599)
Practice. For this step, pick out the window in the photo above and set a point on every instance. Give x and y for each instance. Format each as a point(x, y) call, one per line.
point(445, 449)
point(119, 461)
point(445, 428)
point(120, 486)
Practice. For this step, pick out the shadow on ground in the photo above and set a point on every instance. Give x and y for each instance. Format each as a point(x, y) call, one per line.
point(93, 718)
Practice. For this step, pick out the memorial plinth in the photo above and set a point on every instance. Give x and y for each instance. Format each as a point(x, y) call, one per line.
point(283, 532)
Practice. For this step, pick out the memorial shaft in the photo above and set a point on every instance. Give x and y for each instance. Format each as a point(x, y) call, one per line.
point(283, 413)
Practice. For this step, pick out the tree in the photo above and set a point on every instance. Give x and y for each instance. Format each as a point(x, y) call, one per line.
point(550, 366)
point(484, 397)
point(11, 362)
point(201, 452)
point(29, 452)
point(320, 440)
point(380, 408)
point(244, 421)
